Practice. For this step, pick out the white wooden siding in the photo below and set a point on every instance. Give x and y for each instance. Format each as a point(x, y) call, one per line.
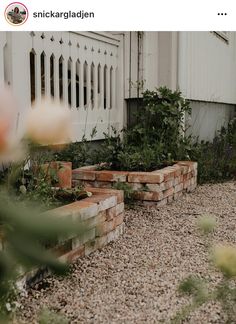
point(207, 67)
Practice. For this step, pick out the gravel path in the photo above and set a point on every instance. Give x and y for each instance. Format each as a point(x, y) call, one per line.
point(134, 280)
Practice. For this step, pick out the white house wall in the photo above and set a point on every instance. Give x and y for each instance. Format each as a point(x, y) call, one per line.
point(207, 67)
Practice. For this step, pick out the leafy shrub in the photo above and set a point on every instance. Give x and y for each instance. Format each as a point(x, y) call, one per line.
point(79, 153)
point(217, 159)
point(157, 138)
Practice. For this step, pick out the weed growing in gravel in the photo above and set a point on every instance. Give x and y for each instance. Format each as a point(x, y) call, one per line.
point(224, 259)
point(47, 317)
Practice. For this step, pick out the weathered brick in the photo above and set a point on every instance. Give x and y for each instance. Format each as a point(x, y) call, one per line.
point(85, 237)
point(62, 248)
point(178, 180)
point(154, 187)
point(114, 235)
point(184, 168)
point(90, 247)
point(148, 195)
point(120, 208)
point(136, 185)
point(186, 184)
point(88, 211)
point(168, 173)
point(102, 184)
point(146, 177)
point(169, 184)
point(78, 210)
point(114, 211)
point(118, 219)
point(178, 195)
point(187, 176)
point(94, 221)
point(113, 176)
point(63, 171)
point(104, 228)
point(192, 165)
point(110, 213)
point(104, 201)
point(178, 170)
point(118, 193)
point(179, 187)
point(73, 255)
point(168, 192)
point(101, 241)
point(79, 174)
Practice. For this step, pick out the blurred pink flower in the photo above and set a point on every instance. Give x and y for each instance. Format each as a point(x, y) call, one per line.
point(49, 123)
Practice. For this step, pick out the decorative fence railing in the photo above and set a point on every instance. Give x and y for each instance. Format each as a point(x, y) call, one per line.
point(84, 69)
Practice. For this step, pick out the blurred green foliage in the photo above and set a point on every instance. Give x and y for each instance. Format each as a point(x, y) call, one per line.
point(24, 232)
point(224, 292)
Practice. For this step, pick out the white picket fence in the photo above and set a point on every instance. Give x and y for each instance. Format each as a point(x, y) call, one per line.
point(84, 69)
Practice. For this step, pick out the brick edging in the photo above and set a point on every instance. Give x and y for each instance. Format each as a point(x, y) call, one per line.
point(157, 187)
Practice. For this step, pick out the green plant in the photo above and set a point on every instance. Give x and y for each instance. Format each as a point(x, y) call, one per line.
point(156, 140)
point(47, 317)
point(128, 191)
point(216, 159)
point(79, 153)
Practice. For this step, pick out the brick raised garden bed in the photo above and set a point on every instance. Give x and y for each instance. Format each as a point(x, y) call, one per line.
point(151, 188)
point(102, 215)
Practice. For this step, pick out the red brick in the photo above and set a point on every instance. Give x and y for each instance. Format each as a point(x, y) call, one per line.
point(154, 187)
point(191, 164)
point(101, 242)
point(114, 211)
point(168, 192)
point(111, 213)
point(104, 201)
point(79, 174)
point(103, 184)
point(113, 176)
point(146, 177)
point(148, 195)
point(63, 171)
point(94, 221)
point(118, 193)
point(77, 209)
point(119, 219)
point(73, 255)
point(186, 184)
point(179, 187)
point(104, 228)
point(169, 184)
